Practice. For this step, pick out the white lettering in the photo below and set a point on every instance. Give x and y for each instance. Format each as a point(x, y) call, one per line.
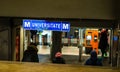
point(47, 25)
point(44, 25)
point(33, 25)
point(58, 26)
point(36, 25)
point(41, 25)
point(65, 26)
point(27, 24)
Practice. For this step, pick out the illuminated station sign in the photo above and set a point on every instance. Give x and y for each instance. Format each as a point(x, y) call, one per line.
point(45, 25)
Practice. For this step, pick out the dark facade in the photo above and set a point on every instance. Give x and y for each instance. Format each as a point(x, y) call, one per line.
point(95, 14)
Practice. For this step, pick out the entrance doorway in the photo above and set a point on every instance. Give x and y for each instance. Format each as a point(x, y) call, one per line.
point(88, 38)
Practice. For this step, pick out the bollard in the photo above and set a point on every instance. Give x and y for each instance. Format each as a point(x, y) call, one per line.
point(80, 52)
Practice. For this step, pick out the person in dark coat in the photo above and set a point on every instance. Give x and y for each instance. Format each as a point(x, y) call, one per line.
point(30, 55)
point(93, 60)
point(58, 59)
point(103, 43)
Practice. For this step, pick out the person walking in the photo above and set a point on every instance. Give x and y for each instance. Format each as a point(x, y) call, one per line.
point(103, 43)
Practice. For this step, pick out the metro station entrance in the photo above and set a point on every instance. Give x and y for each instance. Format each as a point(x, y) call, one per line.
point(88, 38)
point(85, 37)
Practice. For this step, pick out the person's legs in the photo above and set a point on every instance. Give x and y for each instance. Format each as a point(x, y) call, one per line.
point(103, 52)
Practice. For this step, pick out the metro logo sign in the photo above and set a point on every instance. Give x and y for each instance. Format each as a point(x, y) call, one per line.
point(45, 25)
point(27, 24)
point(65, 26)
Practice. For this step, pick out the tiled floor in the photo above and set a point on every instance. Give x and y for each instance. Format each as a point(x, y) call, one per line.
point(43, 49)
point(70, 54)
point(66, 50)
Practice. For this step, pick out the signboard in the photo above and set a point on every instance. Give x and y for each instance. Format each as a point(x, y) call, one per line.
point(115, 38)
point(46, 25)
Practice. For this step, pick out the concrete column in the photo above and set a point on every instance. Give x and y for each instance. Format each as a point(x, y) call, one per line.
point(21, 42)
point(29, 37)
point(80, 46)
point(114, 48)
point(118, 50)
point(56, 43)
